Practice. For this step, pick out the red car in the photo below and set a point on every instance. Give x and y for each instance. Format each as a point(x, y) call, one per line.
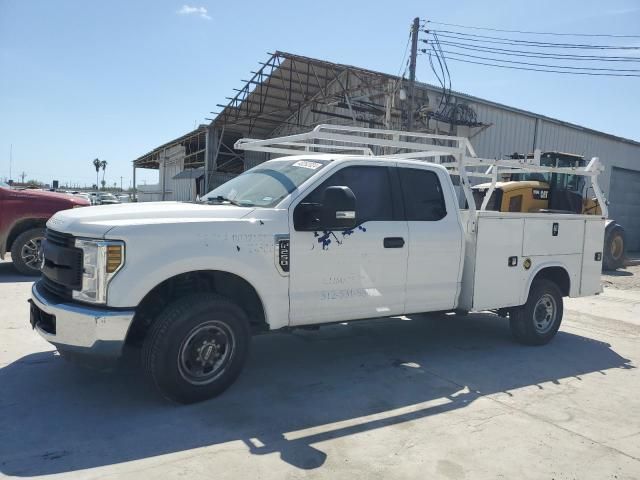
point(23, 215)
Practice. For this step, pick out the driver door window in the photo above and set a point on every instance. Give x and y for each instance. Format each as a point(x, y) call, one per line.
point(370, 185)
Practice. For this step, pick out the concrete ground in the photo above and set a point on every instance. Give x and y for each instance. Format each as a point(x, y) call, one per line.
point(443, 397)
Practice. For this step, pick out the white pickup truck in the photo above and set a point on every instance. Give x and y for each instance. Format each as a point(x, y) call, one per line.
point(303, 240)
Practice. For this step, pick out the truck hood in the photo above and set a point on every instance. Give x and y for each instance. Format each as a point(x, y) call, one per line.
point(95, 222)
point(63, 200)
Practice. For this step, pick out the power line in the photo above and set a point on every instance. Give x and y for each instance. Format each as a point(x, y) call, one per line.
point(537, 64)
point(404, 55)
point(534, 54)
point(443, 61)
point(510, 41)
point(546, 70)
point(562, 45)
point(535, 33)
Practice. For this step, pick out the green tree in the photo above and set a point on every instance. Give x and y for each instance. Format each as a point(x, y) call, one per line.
point(103, 164)
point(34, 183)
point(97, 163)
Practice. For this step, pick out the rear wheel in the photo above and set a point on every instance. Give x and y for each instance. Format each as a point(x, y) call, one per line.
point(537, 321)
point(613, 249)
point(25, 251)
point(196, 348)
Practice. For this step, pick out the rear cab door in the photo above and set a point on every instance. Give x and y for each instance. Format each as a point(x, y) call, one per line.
point(436, 238)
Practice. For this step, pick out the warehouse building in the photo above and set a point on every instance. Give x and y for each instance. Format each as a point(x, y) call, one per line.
point(290, 93)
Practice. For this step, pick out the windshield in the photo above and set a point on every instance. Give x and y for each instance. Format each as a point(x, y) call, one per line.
point(267, 184)
point(560, 160)
point(531, 176)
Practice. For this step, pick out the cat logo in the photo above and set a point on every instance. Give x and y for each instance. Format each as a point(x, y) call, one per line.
point(540, 194)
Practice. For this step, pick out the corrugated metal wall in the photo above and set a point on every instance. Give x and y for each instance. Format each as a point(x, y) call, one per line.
point(509, 132)
point(625, 203)
point(171, 162)
point(514, 132)
point(184, 189)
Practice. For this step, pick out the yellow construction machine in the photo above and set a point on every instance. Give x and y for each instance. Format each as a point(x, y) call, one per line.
point(554, 193)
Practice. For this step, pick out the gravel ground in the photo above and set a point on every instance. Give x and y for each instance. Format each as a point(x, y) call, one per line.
point(423, 397)
point(627, 278)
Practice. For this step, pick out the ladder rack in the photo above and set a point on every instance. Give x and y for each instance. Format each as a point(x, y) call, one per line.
point(456, 154)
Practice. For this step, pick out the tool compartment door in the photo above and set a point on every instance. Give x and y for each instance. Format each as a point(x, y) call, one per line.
point(552, 236)
point(496, 283)
point(591, 266)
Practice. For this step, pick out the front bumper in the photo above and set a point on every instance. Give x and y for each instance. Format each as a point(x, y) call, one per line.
point(80, 330)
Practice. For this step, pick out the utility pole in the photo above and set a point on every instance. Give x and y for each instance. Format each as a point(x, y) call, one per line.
point(22, 175)
point(415, 29)
point(10, 160)
point(120, 183)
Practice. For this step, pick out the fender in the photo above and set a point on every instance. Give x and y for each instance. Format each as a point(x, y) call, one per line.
point(610, 224)
point(258, 291)
point(31, 222)
point(535, 271)
point(271, 288)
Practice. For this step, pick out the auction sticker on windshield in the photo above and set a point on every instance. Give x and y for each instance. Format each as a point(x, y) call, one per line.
point(307, 164)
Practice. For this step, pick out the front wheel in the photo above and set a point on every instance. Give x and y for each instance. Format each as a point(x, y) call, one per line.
point(25, 251)
point(196, 348)
point(537, 321)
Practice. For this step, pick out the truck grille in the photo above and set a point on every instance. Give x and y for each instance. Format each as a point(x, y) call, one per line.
point(62, 269)
point(60, 239)
point(46, 285)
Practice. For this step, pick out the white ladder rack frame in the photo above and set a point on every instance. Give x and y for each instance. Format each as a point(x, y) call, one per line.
point(327, 138)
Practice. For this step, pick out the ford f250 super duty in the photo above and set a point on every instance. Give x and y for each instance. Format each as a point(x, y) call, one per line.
point(303, 240)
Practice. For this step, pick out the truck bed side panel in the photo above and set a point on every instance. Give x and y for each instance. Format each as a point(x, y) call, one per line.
point(570, 242)
point(591, 268)
point(496, 283)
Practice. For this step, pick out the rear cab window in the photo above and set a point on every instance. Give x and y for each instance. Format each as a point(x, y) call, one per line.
point(422, 195)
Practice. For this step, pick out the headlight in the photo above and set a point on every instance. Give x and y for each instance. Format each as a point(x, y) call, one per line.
point(102, 259)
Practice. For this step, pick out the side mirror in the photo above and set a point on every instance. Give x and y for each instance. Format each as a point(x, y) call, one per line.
point(336, 212)
point(338, 209)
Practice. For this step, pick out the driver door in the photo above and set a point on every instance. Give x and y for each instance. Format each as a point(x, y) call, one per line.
point(353, 273)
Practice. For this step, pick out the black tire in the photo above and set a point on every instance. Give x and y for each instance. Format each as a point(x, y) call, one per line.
point(613, 249)
point(187, 335)
point(25, 259)
point(537, 321)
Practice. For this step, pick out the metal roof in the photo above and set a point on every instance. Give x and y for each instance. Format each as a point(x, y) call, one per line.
point(260, 106)
point(285, 82)
point(190, 173)
point(194, 143)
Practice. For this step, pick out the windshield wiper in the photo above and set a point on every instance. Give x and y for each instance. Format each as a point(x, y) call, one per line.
point(222, 199)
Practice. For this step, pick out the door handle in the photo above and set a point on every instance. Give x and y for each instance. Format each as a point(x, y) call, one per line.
point(393, 242)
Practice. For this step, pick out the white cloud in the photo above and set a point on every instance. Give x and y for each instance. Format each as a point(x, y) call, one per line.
point(199, 11)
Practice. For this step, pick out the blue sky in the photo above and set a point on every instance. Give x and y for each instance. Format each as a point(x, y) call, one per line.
point(114, 79)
